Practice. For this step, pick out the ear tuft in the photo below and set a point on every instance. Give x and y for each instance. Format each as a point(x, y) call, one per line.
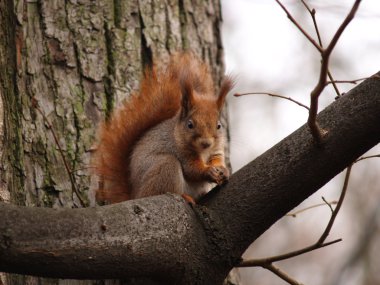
point(187, 94)
point(226, 86)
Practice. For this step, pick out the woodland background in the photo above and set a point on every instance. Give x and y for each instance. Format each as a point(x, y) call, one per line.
point(269, 54)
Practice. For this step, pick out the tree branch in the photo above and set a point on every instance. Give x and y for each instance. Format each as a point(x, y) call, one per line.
point(284, 276)
point(337, 208)
point(320, 242)
point(294, 214)
point(367, 157)
point(126, 239)
point(299, 27)
point(269, 260)
point(273, 95)
point(354, 81)
point(312, 13)
point(318, 132)
point(147, 237)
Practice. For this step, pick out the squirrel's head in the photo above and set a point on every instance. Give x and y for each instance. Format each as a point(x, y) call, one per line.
point(199, 125)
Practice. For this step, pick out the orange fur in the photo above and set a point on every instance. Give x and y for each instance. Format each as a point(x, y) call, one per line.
point(158, 99)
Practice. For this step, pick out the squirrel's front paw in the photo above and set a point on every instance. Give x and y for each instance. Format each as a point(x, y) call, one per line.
point(218, 174)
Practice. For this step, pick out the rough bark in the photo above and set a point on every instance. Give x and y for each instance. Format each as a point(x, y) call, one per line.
point(143, 237)
point(11, 100)
point(78, 60)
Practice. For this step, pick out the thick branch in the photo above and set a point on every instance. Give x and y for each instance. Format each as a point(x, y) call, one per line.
point(163, 237)
point(146, 237)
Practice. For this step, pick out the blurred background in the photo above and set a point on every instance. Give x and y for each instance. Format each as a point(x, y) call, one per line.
point(267, 53)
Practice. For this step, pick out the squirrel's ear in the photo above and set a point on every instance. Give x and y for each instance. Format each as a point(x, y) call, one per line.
point(226, 86)
point(187, 96)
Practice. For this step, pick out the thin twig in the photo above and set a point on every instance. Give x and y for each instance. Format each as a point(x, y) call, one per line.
point(366, 157)
point(273, 95)
point(333, 84)
point(328, 204)
point(284, 276)
point(312, 13)
point(317, 132)
point(50, 127)
point(354, 81)
point(319, 244)
point(294, 214)
point(290, 17)
point(342, 27)
point(291, 254)
point(337, 208)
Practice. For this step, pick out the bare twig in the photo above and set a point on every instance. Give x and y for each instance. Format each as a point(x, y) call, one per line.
point(333, 84)
point(328, 204)
point(294, 214)
point(273, 95)
point(69, 172)
point(366, 157)
point(290, 17)
point(354, 81)
point(284, 276)
point(291, 254)
point(337, 208)
point(317, 132)
point(319, 244)
point(312, 14)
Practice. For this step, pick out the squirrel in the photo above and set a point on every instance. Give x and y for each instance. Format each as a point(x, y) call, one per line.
point(168, 137)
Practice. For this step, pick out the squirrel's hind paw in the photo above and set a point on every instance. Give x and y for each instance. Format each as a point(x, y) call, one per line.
point(188, 199)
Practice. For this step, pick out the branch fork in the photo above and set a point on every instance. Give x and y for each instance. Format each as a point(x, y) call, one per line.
point(317, 132)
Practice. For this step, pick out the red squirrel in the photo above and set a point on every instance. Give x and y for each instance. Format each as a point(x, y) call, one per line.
point(167, 137)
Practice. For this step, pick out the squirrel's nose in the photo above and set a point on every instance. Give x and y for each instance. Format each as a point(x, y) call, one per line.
point(205, 144)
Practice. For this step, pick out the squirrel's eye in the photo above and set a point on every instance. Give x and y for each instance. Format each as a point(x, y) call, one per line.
point(219, 125)
point(190, 124)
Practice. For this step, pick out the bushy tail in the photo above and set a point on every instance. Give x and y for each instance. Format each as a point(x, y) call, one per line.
point(159, 99)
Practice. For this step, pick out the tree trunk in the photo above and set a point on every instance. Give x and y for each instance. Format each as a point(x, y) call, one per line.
point(64, 66)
